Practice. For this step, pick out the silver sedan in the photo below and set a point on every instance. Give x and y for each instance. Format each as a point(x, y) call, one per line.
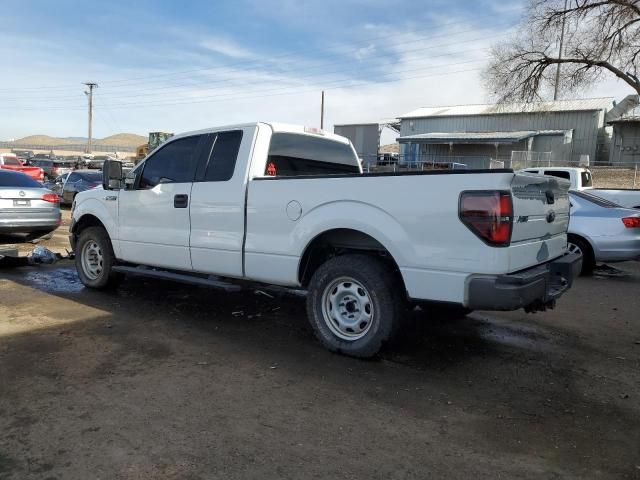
point(26, 206)
point(602, 231)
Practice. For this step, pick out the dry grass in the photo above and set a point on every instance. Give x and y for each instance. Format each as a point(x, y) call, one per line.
point(615, 177)
point(120, 139)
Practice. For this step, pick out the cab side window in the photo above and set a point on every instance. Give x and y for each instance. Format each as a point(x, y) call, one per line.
point(73, 178)
point(224, 153)
point(173, 163)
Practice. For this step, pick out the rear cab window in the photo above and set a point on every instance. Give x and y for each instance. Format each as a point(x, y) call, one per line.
point(292, 154)
point(10, 160)
point(16, 179)
point(558, 174)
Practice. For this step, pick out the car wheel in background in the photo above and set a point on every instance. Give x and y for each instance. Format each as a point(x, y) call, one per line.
point(580, 245)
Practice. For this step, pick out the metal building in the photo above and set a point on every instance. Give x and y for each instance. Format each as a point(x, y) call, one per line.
point(568, 130)
point(365, 138)
point(625, 145)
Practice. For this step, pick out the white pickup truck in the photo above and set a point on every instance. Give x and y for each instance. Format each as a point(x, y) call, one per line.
point(290, 206)
point(582, 179)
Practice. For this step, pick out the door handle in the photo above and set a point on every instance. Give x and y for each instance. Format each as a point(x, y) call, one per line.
point(180, 201)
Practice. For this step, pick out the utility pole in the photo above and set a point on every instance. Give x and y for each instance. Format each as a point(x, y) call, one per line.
point(555, 87)
point(89, 95)
point(322, 111)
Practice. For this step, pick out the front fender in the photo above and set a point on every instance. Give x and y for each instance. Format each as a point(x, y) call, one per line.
point(95, 207)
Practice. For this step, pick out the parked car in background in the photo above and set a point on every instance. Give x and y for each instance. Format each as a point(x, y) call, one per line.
point(23, 155)
point(53, 168)
point(9, 161)
point(582, 180)
point(98, 161)
point(602, 231)
point(67, 187)
point(27, 206)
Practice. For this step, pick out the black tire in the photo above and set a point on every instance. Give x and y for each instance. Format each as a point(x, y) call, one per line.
point(588, 258)
point(384, 295)
point(106, 278)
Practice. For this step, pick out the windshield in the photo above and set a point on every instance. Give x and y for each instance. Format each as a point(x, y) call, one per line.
point(94, 177)
point(594, 199)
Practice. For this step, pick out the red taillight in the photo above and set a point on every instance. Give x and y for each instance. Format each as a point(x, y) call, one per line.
point(631, 222)
point(488, 214)
point(50, 197)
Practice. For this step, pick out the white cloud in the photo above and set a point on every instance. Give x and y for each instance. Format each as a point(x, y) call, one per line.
point(226, 47)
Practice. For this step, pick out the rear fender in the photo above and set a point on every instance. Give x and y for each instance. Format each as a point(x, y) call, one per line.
point(358, 216)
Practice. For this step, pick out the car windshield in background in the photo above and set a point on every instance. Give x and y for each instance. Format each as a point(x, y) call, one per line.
point(93, 177)
point(17, 179)
point(586, 179)
point(597, 200)
point(294, 154)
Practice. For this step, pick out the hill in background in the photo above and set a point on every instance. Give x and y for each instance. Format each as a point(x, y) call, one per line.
point(120, 139)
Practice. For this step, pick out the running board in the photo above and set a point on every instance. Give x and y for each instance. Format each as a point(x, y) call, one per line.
point(177, 277)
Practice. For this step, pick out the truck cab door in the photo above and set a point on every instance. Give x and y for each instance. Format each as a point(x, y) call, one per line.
point(153, 213)
point(218, 203)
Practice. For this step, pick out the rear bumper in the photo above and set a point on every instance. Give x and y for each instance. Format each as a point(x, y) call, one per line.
point(531, 289)
point(24, 222)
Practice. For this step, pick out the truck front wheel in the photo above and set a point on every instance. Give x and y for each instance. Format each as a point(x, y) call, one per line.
point(354, 304)
point(95, 258)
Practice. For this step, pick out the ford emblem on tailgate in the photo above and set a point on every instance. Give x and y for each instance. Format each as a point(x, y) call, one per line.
point(551, 216)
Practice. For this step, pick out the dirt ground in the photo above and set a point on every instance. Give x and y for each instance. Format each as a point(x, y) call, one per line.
point(165, 381)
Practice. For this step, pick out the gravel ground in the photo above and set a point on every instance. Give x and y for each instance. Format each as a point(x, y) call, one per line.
point(165, 381)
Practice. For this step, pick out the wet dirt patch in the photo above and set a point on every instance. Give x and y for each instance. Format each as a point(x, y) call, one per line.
point(55, 280)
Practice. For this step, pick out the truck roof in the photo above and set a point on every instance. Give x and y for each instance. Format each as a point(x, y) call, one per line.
point(276, 127)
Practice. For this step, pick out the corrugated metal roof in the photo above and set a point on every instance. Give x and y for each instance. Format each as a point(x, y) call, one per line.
point(493, 109)
point(476, 137)
point(630, 116)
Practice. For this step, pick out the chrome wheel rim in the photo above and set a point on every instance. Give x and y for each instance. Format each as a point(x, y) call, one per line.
point(573, 248)
point(347, 309)
point(92, 260)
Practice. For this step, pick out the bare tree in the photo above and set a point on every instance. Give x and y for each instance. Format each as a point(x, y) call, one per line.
point(600, 38)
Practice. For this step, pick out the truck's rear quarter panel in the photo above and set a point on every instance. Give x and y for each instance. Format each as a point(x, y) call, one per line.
point(415, 217)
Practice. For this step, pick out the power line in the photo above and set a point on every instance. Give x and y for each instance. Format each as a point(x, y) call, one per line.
point(287, 89)
point(289, 93)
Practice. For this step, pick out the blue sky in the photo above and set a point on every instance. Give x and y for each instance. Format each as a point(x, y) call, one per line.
point(176, 66)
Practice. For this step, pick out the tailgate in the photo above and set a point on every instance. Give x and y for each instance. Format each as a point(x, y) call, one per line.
point(541, 210)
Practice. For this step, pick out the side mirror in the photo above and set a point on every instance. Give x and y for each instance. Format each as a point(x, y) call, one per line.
point(112, 175)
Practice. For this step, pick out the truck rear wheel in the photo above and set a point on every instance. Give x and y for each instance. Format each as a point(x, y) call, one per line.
point(354, 305)
point(95, 258)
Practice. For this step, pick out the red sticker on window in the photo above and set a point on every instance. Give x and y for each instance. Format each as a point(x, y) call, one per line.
point(271, 169)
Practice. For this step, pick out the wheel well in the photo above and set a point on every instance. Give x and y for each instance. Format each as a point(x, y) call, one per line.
point(580, 237)
point(337, 242)
point(85, 222)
